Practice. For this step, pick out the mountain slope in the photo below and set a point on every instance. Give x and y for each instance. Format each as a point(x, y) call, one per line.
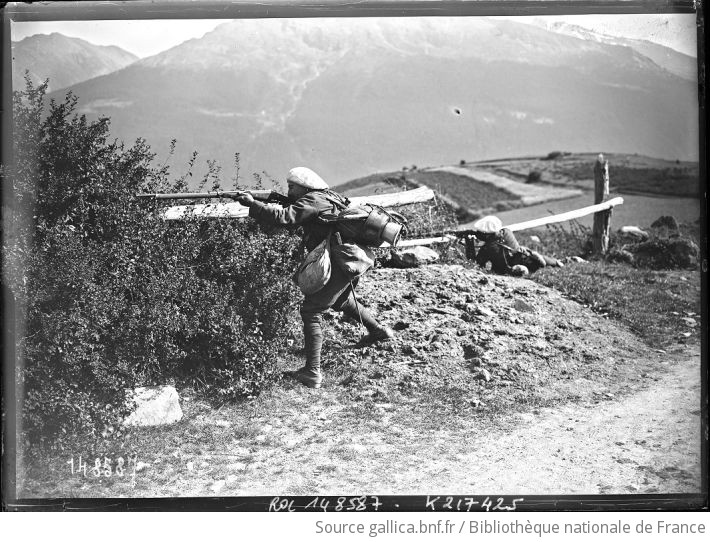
point(349, 97)
point(64, 60)
point(673, 61)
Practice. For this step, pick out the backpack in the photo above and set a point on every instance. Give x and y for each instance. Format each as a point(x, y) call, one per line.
point(314, 273)
point(364, 224)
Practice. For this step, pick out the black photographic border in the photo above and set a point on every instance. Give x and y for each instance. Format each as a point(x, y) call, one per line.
point(214, 9)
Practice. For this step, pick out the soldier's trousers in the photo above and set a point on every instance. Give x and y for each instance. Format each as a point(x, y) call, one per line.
point(336, 294)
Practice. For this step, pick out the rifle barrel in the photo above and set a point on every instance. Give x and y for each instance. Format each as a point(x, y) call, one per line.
point(258, 194)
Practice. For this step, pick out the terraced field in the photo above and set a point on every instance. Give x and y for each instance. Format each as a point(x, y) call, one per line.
point(518, 189)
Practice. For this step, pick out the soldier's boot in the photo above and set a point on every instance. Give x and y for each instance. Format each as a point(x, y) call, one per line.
point(539, 259)
point(376, 331)
point(310, 375)
point(311, 378)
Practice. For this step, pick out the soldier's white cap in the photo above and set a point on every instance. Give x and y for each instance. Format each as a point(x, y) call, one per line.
point(488, 224)
point(308, 178)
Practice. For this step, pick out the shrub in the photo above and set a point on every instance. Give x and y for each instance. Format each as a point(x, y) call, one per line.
point(110, 295)
point(661, 253)
point(426, 219)
point(534, 176)
point(566, 239)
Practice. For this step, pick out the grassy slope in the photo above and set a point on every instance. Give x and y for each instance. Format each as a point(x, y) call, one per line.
point(658, 305)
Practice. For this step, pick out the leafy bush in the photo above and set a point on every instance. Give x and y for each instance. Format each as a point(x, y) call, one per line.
point(564, 239)
point(535, 176)
point(110, 295)
point(426, 219)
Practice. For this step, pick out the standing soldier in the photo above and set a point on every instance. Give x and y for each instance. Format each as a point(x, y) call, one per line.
point(311, 198)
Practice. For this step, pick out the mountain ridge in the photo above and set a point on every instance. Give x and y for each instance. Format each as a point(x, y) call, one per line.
point(64, 60)
point(350, 99)
point(675, 62)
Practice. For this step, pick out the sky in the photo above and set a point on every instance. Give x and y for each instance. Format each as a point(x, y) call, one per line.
point(149, 37)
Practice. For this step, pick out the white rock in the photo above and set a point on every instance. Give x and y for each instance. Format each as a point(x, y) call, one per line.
point(414, 257)
point(159, 405)
point(485, 311)
point(634, 231)
point(534, 239)
point(483, 374)
point(217, 486)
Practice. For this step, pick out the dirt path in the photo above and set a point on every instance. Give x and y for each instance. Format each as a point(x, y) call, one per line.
point(645, 442)
point(648, 442)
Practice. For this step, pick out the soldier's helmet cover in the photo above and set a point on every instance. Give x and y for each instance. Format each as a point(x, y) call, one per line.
point(307, 178)
point(488, 224)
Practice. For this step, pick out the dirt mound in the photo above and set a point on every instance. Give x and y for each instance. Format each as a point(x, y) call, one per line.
point(478, 340)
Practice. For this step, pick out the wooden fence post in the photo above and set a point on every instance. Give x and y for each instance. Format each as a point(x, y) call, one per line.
point(602, 219)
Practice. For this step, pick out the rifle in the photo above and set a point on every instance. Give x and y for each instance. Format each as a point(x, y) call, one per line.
point(266, 196)
point(470, 238)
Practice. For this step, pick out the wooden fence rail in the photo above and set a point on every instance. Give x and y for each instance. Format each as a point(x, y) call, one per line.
point(552, 219)
point(569, 215)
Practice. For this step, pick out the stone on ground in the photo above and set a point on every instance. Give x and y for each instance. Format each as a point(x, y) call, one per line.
point(414, 257)
point(523, 306)
point(633, 232)
point(155, 405)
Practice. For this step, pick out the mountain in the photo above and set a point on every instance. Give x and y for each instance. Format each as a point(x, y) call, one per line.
point(675, 62)
point(349, 97)
point(65, 61)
